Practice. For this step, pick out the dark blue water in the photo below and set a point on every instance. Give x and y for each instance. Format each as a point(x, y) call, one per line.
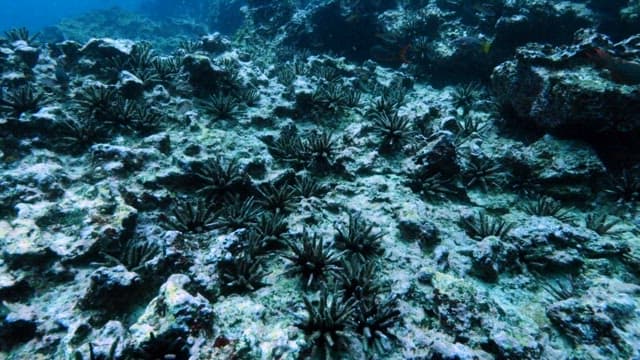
point(37, 14)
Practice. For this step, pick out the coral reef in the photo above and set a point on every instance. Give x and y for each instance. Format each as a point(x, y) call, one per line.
point(323, 179)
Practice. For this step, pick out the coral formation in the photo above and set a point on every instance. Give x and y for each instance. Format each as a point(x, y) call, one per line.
point(323, 179)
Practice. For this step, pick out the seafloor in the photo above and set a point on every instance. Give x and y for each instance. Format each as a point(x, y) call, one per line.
point(324, 180)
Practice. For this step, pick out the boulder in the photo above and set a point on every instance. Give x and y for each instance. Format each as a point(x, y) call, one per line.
point(203, 74)
point(28, 54)
point(215, 43)
point(570, 89)
point(565, 169)
point(130, 86)
point(173, 314)
point(17, 325)
point(107, 48)
point(107, 287)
